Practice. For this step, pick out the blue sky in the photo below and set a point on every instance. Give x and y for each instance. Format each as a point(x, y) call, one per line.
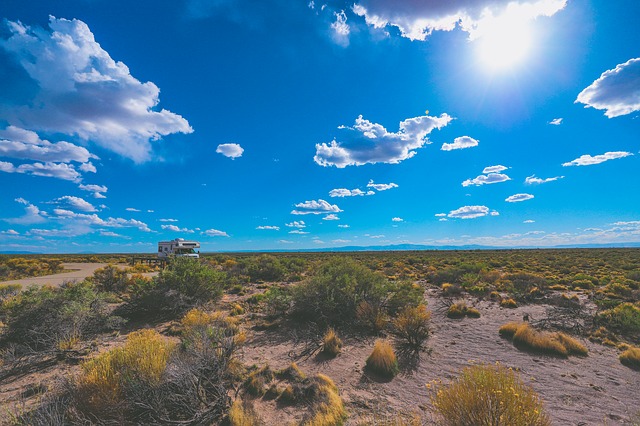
point(252, 125)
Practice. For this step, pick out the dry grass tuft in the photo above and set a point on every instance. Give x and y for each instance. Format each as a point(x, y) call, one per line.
point(631, 358)
point(524, 336)
point(242, 413)
point(508, 303)
point(329, 409)
point(292, 373)
point(412, 325)
point(143, 357)
point(331, 343)
point(449, 289)
point(383, 359)
point(488, 395)
point(461, 310)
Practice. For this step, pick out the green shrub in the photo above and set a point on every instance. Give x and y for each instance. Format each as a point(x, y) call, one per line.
point(412, 325)
point(624, 318)
point(265, 268)
point(276, 301)
point(488, 395)
point(110, 278)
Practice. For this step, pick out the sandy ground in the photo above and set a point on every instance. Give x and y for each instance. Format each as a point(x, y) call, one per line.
point(593, 390)
point(75, 271)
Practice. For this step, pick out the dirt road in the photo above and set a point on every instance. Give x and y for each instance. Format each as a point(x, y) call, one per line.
point(75, 271)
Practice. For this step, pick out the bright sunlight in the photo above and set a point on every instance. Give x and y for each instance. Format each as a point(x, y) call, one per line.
point(503, 43)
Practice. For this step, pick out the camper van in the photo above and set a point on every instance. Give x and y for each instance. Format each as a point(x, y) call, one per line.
point(179, 248)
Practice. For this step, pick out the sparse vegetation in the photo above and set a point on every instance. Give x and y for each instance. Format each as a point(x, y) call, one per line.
point(412, 325)
point(488, 395)
point(331, 343)
point(461, 310)
point(631, 358)
point(383, 360)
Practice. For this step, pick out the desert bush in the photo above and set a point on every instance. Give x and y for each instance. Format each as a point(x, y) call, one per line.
point(624, 318)
point(9, 290)
point(257, 380)
point(508, 303)
point(41, 317)
point(331, 343)
point(488, 395)
point(412, 326)
point(461, 310)
point(264, 268)
point(524, 336)
point(371, 316)
point(383, 360)
point(449, 289)
point(401, 294)
point(631, 358)
point(242, 413)
point(110, 278)
point(276, 301)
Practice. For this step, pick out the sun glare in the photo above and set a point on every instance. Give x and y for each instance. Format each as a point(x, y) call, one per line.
point(504, 43)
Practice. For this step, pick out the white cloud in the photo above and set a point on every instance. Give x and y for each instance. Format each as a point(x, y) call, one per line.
point(529, 221)
point(75, 203)
point(298, 232)
point(556, 121)
point(381, 186)
point(370, 143)
point(131, 209)
point(531, 180)
point(331, 217)
point(494, 169)
point(214, 233)
point(82, 91)
point(343, 192)
point(397, 219)
point(296, 224)
point(443, 219)
point(268, 227)
point(416, 20)
point(96, 189)
point(340, 241)
point(469, 212)
point(440, 214)
point(231, 150)
point(10, 232)
point(26, 145)
point(32, 214)
point(57, 170)
point(494, 213)
point(85, 221)
point(516, 198)
point(588, 160)
point(341, 29)
point(285, 242)
point(168, 220)
point(315, 207)
point(88, 168)
point(174, 228)
point(617, 91)
point(343, 226)
point(487, 179)
point(376, 236)
point(460, 143)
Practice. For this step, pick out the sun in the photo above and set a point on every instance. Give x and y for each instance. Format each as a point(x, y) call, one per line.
point(503, 43)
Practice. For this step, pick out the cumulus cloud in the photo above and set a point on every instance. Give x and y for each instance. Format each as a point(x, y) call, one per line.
point(381, 186)
point(298, 232)
point(494, 169)
point(96, 189)
point(82, 91)
point(340, 29)
point(486, 179)
point(296, 224)
point(80, 219)
point(460, 143)
point(369, 143)
point(343, 192)
point(331, 217)
point(469, 212)
point(556, 121)
point(168, 220)
point(75, 203)
point(588, 160)
point(32, 214)
point(516, 198)
point(214, 233)
point(617, 91)
point(397, 219)
point(230, 150)
point(175, 228)
point(131, 209)
point(269, 227)
point(532, 180)
point(56, 170)
point(315, 207)
point(416, 20)
point(26, 145)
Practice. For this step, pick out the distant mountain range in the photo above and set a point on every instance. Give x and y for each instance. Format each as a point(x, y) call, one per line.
point(401, 247)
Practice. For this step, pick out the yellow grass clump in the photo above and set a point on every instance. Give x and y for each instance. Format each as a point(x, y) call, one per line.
point(331, 343)
point(412, 325)
point(292, 372)
point(488, 395)
point(461, 310)
point(143, 357)
point(242, 414)
point(383, 360)
point(329, 409)
point(524, 336)
point(631, 358)
point(508, 303)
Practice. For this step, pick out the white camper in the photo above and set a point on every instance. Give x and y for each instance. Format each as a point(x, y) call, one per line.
point(178, 247)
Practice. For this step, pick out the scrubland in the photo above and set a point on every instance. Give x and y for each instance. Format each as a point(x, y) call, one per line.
point(517, 337)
